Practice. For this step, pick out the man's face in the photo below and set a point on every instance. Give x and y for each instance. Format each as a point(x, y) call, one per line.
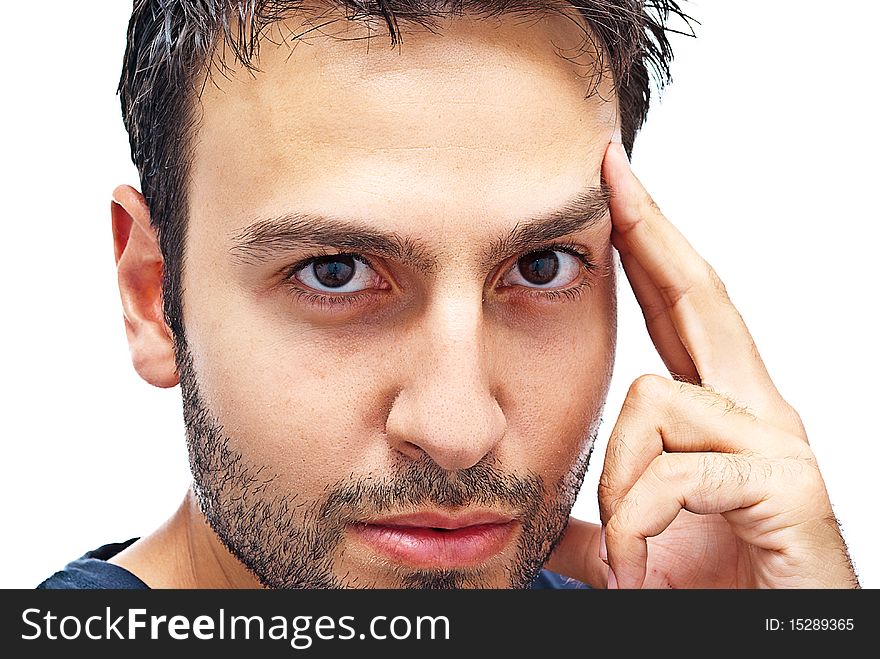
point(395, 364)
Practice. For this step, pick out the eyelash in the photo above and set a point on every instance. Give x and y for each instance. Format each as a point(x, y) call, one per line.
point(324, 302)
point(333, 302)
point(574, 292)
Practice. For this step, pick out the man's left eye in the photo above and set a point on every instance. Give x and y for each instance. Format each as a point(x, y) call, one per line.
point(548, 268)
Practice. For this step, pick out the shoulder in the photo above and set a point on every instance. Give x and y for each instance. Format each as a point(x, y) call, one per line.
point(92, 571)
point(548, 579)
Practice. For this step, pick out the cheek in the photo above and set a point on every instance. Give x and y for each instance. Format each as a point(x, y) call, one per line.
point(302, 400)
point(557, 374)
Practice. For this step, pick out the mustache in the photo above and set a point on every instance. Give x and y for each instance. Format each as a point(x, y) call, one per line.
point(423, 482)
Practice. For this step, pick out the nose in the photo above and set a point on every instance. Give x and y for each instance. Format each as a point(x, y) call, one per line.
point(446, 408)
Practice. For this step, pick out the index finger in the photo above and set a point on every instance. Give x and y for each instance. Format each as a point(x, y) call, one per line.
point(696, 301)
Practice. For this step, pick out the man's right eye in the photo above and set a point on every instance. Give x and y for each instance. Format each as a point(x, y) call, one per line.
point(338, 273)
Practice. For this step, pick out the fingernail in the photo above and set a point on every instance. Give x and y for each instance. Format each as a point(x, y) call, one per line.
point(603, 550)
point(612, 580)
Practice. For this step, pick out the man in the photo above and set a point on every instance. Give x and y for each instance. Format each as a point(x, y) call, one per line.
point(385, 280)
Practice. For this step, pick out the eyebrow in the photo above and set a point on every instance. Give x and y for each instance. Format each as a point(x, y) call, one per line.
point(263, 239)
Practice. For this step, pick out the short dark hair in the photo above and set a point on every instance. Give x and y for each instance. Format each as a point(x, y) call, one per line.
point(172, 45)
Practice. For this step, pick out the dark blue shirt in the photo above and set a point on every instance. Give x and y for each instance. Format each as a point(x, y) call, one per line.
point(93, 571)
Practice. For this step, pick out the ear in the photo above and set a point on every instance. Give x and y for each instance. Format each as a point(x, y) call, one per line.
point(139, 266)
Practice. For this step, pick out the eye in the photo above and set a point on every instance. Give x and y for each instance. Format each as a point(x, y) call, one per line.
point(338, 273)
point(547, 268)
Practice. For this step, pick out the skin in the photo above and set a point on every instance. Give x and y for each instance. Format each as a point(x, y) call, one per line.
point(451, 143)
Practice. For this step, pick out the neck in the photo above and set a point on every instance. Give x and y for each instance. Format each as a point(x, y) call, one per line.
point(185, 553)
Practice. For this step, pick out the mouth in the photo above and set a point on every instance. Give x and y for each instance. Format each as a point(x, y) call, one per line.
point(438, 540)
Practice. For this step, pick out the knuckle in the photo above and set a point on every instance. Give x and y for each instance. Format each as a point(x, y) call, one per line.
point(668, 468)
point(800, 480)
point(715, 281)
point(606, 496)
point(604, 487)
point(616, 526)
point(617, 452)
point(647, 206)
point(792, 420)
point(604, 484)
point(674, 293)
point(648, 387)
point(614, 450)
point(804, 468)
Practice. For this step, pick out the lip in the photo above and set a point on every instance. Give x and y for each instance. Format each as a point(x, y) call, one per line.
point(438, 540)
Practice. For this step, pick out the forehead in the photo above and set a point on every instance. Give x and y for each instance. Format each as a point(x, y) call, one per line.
point(484, 114)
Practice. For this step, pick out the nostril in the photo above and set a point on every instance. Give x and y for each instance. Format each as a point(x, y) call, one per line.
point(411, 450)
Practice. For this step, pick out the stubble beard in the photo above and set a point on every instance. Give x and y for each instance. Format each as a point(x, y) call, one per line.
point(289, 542)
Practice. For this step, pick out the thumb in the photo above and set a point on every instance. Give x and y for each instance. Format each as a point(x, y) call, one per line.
point(577, 554)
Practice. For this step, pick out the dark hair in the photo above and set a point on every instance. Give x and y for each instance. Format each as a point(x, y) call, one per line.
point(173, 44)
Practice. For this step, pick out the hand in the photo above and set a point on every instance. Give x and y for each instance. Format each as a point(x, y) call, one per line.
point(712, 465)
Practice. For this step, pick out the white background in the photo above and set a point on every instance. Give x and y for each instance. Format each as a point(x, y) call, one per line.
point(763, 151)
